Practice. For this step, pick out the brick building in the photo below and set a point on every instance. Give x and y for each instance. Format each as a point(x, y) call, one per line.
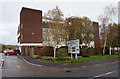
point(29, 30)
point(95, 43)
point(96, 35)
point(48, 37)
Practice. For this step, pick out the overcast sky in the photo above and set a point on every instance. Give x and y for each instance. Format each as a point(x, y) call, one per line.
point(10, 11)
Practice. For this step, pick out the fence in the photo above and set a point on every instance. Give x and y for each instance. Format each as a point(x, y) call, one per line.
point(41, 51)
point(48, 51)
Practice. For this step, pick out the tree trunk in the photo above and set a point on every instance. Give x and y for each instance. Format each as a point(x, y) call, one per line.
point(104, 46)
point(110, 50)
point(54, 51)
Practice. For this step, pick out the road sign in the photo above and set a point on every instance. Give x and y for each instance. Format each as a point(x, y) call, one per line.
point(73, 46)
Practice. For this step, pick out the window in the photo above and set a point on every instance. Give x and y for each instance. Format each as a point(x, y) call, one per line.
point(45, 38)
point(48, 39)
point(43, 29)
point(42, 39)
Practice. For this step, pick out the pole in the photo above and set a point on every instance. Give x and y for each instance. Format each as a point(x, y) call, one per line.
point(110, 50)
point(71, 56)
point(76, 56)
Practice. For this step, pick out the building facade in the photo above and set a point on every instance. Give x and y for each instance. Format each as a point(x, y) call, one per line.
point(96, 35)
point(95, 43)
point(48, 37)
point(29, 32)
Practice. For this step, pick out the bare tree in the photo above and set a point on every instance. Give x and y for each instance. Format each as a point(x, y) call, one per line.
point(57, 27)
point(108, 17)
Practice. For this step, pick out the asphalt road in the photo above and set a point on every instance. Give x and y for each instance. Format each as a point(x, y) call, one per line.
point(15, 67)
point(1, 65)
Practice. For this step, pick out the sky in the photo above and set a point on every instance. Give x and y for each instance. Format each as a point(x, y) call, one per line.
point(10, 12)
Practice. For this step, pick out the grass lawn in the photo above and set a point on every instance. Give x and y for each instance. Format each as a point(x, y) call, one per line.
point(84, 59)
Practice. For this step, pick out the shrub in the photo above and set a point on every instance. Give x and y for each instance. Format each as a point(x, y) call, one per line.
point(85, 55)
point(62, 52)
point(35, 56)
point(99, 54)
point(62, 58)
point(79, 57)
point(47, 58)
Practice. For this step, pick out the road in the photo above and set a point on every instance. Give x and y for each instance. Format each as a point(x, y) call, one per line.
point(0, 64)
point(15, 67)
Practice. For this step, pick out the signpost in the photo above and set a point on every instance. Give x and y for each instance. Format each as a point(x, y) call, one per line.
point(73, 47)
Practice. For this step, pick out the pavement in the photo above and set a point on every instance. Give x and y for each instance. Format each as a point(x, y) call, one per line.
point(1, 64)
point(28, 67)
point(33, 61)
point(1, 60)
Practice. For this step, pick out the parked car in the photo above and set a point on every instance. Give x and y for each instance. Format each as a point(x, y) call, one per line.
point(11, 52)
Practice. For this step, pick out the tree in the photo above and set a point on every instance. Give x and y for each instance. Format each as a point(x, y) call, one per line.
point(112, 33)
point(80, 28)
point(57, 27)
point(54, 15)
point(107, 18)
point(87, 30)
point(116, 41)
point(74, 25)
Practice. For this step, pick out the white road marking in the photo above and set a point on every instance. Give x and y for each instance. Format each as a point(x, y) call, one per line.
point(18, 66)
point(102, 75)
point(31, 63)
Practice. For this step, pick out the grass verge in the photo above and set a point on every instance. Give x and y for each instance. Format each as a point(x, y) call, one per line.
point(80, 60)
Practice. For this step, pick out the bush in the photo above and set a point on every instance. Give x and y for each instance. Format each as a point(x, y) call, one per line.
point(115, 52)
point(106, 50)
point(47, 58)
point(79, 57)
point(35, 56)
point(62, 58)
point(62, 52)
point(85, 55)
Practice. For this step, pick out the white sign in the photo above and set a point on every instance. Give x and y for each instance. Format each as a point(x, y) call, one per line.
point(73, 46)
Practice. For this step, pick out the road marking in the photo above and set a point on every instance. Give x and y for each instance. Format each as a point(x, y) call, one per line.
point(18, 66)
point(102, 75)
point(30, 63)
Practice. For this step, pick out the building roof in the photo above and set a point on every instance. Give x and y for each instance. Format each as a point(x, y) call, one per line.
point(30, 9)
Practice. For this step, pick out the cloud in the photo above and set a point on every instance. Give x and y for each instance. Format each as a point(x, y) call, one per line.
point(8, 33)
point(59, 0)
point(10, 14)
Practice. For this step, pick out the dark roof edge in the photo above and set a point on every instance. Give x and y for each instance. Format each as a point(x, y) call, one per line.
point(30, 9)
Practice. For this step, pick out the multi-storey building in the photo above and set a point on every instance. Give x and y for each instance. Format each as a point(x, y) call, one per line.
point(30, 29)
point(48, 37)
point(48, 40)
point(95, 42)
point(96, 35)
point(32, 32)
